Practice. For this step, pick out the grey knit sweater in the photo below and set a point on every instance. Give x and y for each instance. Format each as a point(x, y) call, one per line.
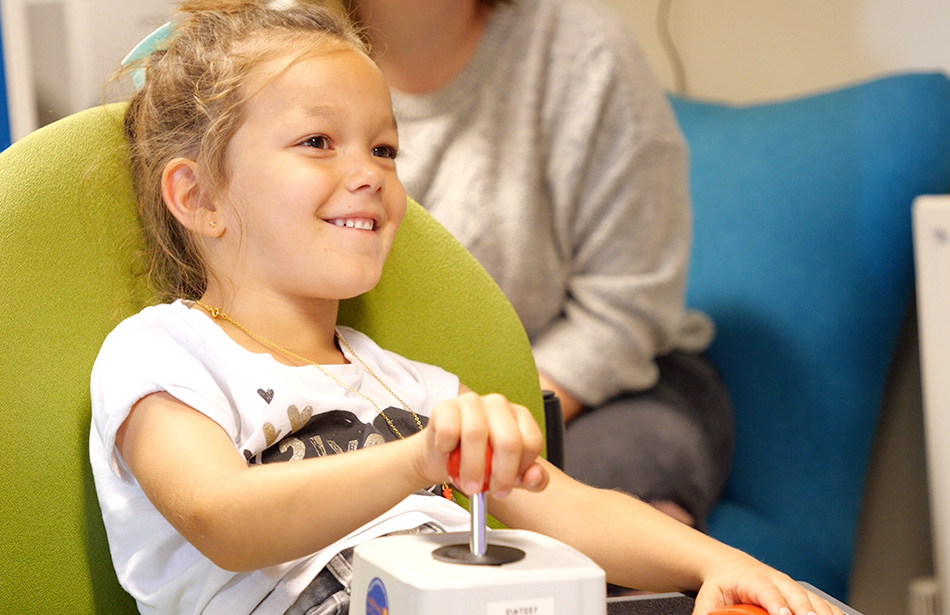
point(555, 159)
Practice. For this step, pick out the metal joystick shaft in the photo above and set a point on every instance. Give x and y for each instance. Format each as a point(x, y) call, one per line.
point(478, 542)
point(478, 551)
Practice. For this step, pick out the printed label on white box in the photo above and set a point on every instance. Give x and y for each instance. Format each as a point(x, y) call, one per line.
point(528, 606)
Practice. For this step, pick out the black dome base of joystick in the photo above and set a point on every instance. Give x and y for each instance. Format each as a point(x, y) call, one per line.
point(495, 555)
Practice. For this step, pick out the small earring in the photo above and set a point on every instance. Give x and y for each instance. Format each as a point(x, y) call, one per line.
point(213, 224)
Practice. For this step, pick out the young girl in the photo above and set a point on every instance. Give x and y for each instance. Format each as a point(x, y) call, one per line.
point(263, 147)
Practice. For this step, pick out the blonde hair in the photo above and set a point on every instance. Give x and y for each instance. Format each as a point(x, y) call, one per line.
point(193, 101)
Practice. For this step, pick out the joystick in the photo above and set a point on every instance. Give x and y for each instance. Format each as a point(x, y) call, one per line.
point(478, 552)
point(478, 572)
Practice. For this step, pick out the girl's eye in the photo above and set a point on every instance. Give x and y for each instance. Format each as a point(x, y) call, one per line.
point(318, 142)
point(384, 151)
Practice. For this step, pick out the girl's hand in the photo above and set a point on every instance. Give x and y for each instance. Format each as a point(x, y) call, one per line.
point(472, 422)
point(750, 582)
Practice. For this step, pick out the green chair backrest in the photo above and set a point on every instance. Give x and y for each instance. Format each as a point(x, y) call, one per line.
point(69, 245)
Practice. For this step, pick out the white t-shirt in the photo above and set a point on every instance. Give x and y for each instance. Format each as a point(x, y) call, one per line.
point(272, 413)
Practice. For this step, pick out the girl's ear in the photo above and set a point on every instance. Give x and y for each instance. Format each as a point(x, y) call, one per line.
point(186, 201)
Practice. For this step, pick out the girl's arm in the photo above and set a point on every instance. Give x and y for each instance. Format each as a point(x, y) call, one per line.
point(642, 548)
point(247, 517)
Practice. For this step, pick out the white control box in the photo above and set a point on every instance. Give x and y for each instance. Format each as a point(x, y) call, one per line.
point(398, 575)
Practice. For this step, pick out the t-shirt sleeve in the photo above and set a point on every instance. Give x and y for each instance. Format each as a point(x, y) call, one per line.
point(441, 384)
point(437, 382)
point(143, 356)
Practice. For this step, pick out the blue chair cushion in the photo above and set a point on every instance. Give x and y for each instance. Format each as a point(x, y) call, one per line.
point(803, 257)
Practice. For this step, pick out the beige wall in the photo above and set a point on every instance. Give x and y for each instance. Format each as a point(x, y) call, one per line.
point(750, 50)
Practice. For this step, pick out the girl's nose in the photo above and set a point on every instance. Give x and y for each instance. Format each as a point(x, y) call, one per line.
point(365, 175)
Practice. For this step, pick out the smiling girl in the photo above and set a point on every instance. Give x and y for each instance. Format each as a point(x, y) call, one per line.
point(242, 443)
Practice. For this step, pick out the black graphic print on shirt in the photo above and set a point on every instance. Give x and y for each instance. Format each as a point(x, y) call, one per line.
point(329, 433)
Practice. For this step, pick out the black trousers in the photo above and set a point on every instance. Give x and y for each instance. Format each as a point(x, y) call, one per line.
point(672, 442)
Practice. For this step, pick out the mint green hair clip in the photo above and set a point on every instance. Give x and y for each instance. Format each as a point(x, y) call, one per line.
point(150, 44)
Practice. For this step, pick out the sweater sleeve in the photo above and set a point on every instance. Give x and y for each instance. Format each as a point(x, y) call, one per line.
point(618, 178)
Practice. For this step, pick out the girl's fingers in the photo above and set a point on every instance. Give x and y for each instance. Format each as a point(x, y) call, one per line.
point(474, 442)
point(532, 437)
point(774, 591)
point(822, 607)
point(535, 478)
point(508, 444)
point(445, 425)
point(474, 423)
point(800, 601)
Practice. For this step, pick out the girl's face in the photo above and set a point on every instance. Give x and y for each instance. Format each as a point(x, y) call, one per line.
point(313, 194)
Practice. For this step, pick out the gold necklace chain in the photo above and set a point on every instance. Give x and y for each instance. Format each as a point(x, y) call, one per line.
point(217, 314)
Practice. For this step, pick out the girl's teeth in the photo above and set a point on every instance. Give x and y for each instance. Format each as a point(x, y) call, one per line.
point(365, 225)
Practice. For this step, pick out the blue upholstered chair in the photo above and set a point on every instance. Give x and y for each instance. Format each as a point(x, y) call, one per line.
point(803, 257)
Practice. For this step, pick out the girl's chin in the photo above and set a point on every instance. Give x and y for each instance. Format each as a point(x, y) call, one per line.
point(354, 287)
